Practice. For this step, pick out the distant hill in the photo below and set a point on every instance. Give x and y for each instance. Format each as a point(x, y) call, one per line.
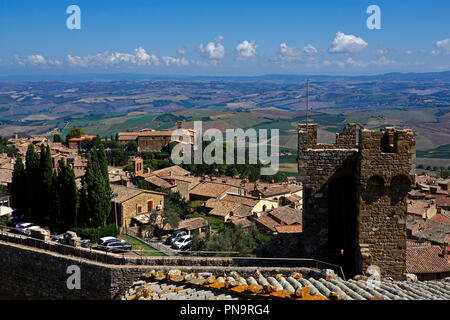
point(393, 76)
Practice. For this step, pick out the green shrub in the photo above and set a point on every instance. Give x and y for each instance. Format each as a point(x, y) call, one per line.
point(94, 234)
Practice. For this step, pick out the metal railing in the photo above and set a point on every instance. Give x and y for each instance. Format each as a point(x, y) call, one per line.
point(123, 257)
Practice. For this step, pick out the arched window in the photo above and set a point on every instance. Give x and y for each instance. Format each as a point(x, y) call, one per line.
point(399, 187)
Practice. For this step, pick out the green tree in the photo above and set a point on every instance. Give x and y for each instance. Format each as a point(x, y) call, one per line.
point(57, 138)
point(75, 132)
point(68, 194)
point(32, 171)
point(55, 203)
point(19, 186)
point(97, 197)
point(45, 181)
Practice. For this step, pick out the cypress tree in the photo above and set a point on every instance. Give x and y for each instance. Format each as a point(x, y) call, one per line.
point(83, 210)
point(46, 178)
point(32, 181)
point(55, 202)
point(107, 192)
point(19, 187)
point(68, 194)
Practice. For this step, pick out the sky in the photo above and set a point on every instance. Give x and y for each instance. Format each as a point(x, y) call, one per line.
point(224, 37)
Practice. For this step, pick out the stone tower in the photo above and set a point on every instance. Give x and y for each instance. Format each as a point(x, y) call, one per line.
point(138, 166)
point(354, 197)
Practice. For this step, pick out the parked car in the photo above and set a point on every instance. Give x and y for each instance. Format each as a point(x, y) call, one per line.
point(20, 227)
point(27, 230)
point(58, 238)
point(182, 241)
point(103, 242)
point(175, 236)
point(85, 243)
point(187, 246)
point(118, 246)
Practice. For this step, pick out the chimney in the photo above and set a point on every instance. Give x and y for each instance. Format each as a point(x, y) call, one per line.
point(444, 249)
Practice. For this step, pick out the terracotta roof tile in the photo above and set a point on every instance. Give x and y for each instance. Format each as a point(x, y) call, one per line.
point(267, 222)
point(294, 228)
point(208, 189)
point(287, 214)
point(423, 259)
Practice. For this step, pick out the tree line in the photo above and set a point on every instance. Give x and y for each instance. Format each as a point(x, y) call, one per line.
point(42, 193)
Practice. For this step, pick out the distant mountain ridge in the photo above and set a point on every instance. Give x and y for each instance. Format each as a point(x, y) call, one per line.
point(393, 76)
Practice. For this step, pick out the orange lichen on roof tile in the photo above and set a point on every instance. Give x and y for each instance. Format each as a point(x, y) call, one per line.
point(255, 288)
point(240, 288)
point(304, 294)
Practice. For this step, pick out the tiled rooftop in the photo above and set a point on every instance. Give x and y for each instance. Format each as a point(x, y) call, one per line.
point(426, 259)
point(208, 189)
point(178, 285)
point(287, 214)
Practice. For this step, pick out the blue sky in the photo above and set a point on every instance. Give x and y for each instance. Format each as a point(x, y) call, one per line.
point(224, 37)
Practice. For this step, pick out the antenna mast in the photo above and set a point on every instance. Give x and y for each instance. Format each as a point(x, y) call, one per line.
point(307, 102)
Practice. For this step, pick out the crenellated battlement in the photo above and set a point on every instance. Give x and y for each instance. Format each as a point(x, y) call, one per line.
point(354, 196)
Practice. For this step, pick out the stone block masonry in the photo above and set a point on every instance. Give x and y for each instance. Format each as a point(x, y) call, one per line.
point(354, 197)
point(34, 273)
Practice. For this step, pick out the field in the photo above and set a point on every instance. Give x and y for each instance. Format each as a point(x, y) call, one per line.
point(269, 102)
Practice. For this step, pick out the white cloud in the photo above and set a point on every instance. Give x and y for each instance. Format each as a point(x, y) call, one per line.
point(355, 63)
point(169, 61)
point(213, 50)
point(292, 54)
point(349, 62)
point(408, 52)
point(383, 61)
point(182, 51)
point(36, 59)
point(246, 49)
point(139, 57)
point(444, 45)
point(344, 43)
point(381, 52)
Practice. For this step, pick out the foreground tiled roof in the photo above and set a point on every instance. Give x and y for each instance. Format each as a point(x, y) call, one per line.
point(426, 259)
point(178, 285)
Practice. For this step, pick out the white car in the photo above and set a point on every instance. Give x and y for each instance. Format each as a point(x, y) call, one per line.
point(103, 242)
point(182, 241)
point(27, 230)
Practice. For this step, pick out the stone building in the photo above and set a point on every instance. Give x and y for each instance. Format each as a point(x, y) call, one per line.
point(354, 197)
point(128, 203)
point(155, 140)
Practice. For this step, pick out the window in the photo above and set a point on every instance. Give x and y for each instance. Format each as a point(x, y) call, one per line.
point(149, 206)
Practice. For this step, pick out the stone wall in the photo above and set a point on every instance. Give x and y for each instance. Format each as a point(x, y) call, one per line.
point(386, 175)
point(33, 273)
point(357, 185)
